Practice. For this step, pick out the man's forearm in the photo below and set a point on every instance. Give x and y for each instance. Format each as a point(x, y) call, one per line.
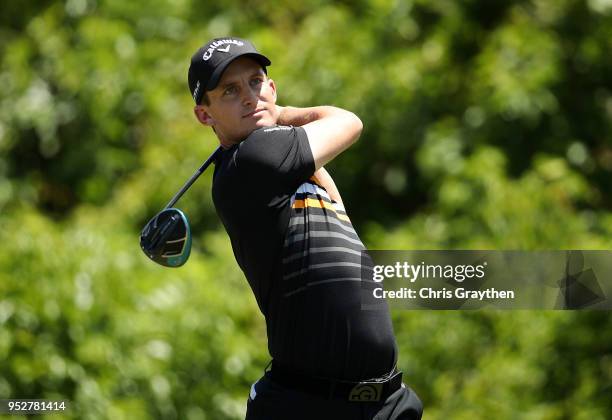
point(290, 115)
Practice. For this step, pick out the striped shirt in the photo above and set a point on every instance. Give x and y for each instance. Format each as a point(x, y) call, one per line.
point(302, 258)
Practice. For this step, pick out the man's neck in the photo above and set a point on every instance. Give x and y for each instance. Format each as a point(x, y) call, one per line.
point(226, 144)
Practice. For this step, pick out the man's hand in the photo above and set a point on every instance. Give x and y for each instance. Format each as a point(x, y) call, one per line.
point(330, 130)
point(328, 183)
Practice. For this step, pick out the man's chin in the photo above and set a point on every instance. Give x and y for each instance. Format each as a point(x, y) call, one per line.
point(264, 122)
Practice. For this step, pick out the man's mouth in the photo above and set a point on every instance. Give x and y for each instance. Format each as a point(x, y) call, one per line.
point(252, 113)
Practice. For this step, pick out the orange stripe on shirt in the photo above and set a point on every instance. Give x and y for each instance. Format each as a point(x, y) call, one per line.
point(311, 202)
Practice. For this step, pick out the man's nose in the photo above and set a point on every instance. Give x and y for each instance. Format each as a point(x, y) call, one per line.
point(248, 96)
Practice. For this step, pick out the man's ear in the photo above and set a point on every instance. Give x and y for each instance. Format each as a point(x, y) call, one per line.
point(202, 115)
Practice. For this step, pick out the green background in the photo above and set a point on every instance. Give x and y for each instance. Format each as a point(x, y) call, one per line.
point(488, 125)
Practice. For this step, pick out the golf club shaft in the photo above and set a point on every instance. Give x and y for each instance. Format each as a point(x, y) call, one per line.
point(193, 178)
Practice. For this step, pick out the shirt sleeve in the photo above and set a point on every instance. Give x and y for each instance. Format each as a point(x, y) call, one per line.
point(278, 158)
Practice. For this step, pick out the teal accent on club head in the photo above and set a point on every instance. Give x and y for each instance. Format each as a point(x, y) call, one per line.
point(182, 257)
point(166, 239)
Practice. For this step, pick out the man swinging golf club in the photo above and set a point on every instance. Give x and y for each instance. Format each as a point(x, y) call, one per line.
point(293, 240)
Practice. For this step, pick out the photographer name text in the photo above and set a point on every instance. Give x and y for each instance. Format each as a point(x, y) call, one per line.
point(457, 273)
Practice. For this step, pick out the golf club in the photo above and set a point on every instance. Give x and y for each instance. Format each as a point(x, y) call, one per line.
point(166, 239)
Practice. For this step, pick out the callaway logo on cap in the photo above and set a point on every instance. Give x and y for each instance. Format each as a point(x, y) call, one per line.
point(209, 62)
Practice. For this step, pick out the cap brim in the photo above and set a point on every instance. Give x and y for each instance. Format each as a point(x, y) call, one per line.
point(216, 76)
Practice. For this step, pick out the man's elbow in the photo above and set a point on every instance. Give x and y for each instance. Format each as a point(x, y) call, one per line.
point(356, 127)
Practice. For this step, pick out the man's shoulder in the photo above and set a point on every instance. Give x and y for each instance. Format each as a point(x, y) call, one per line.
point(267, 132)
point(269, 152)
point(266, 144)
point(277, 128)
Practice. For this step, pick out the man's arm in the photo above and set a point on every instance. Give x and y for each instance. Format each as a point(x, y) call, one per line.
point(328, 183)
point(330, 130)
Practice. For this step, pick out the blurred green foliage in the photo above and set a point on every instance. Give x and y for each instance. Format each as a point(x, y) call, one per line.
point(488, 125)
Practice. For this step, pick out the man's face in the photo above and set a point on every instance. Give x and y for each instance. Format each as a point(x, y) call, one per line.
point(244, 100)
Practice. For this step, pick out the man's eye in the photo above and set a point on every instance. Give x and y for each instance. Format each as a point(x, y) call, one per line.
point(230, 90)
point(256, 81)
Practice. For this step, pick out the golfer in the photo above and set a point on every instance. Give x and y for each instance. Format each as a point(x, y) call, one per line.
point(294, 241)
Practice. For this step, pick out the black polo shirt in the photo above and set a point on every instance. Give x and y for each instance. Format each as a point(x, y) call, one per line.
point(302, 258)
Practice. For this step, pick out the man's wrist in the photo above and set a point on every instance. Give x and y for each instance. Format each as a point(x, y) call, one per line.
point(290, 115)
point(287, 116)
point(280, 110)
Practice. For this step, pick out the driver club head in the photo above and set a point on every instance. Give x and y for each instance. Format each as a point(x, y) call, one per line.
point(166, 239)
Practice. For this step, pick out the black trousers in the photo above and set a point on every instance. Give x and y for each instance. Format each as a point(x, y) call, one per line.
point(269, 400)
